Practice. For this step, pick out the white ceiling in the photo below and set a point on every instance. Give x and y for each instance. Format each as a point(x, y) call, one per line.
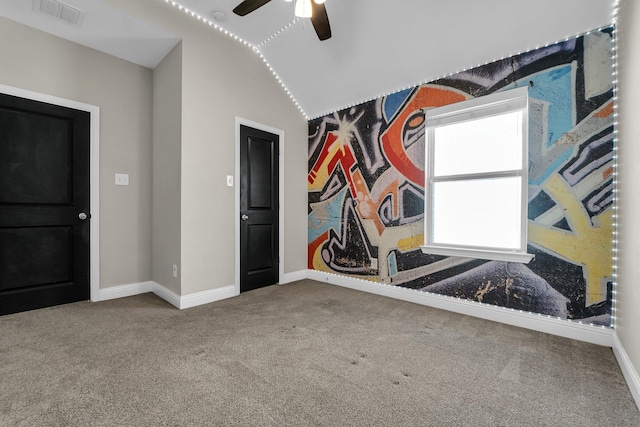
point(103, 28)
point(378, 46)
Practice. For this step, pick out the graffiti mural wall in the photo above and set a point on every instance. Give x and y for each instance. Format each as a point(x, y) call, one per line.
point(366, 186)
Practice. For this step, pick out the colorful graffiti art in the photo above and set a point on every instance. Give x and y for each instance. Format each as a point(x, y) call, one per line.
point(366, 186)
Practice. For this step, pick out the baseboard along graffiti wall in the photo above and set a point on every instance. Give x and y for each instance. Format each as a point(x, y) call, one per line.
point(366, 186)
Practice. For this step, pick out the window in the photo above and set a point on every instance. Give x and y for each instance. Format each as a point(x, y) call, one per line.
point(476, 178)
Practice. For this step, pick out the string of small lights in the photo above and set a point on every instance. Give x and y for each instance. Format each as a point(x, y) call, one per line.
point(614, 75)
point(256, 49)
point(277, 33)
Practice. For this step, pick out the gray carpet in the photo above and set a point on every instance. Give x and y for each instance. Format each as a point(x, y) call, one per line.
point(301, 354)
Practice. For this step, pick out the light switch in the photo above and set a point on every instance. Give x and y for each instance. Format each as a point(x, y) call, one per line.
point(122, 179)
point(230, 180)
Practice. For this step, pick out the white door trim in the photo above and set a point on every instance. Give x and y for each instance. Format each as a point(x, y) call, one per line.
point(241, 121)
point(94, 165)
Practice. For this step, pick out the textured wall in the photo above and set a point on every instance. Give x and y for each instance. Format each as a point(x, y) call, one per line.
point(366, 186)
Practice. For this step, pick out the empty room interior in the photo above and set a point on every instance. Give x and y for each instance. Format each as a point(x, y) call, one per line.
point(305, 212)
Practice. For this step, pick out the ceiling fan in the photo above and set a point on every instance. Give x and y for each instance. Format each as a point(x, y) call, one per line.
point(313, 9)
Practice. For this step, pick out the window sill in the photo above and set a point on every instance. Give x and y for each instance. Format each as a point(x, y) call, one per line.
point(521, 257)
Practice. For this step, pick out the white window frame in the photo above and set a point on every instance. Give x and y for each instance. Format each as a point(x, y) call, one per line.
point(473, 109)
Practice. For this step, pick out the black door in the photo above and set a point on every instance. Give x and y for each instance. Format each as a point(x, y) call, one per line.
point(44, 204)
point(258, 208)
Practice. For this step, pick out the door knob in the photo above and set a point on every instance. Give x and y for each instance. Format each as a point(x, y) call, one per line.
point(82, 216)
point(244, 217)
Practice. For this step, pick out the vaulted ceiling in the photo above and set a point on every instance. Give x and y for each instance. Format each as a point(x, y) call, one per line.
point(378, 46)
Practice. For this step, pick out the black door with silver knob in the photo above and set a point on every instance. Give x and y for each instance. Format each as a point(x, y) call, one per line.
point(259, 200)
point(44, 204)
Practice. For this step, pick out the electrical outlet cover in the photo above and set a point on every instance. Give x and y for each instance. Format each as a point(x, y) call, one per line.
point(122, 179)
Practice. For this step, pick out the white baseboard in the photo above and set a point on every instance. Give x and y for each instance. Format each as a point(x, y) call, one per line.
point(206, 297)
point(181, 302)
point(550, 325)
point(123, 291)
point(167, 295)
point(294, 276)
point(627, 368)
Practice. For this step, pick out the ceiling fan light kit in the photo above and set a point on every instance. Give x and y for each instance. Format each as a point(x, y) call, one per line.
point(313, 9)
point(303, 9)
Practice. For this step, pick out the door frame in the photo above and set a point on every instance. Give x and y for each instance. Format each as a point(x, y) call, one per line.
point(236, 178)
point(94, 166)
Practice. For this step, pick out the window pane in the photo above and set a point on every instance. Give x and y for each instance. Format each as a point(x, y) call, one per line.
point(482, 212)
point(479, 145)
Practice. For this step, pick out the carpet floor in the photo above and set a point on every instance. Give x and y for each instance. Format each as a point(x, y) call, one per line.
point(301, 354)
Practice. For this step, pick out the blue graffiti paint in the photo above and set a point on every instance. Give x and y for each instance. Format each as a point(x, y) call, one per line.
point(333, 207)
point(554, 87)
point(393, 265)
point(393, 102)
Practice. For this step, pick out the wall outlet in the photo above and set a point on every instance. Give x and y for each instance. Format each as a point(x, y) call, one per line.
point(175, 270)
point(122, 179)
point(374, 263)
point(230, 180)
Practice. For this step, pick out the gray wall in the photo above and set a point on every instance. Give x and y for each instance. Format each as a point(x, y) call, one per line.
point(628, 289)
point(39, 62)
point(167, 130)
point(221, 80)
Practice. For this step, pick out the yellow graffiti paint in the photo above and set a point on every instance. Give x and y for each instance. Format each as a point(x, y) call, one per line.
point(412, 242)
point(317, 262)
point(589, 245)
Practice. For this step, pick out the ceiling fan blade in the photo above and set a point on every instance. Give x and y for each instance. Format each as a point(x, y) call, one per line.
point(248, 6)
point(320, 21)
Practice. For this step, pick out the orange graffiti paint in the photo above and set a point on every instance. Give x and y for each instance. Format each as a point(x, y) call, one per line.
point(392, 142)
point(605, 111)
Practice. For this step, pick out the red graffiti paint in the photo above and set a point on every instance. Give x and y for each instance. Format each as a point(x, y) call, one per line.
point(344, 156)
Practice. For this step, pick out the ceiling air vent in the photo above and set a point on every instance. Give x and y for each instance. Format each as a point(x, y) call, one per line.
point(59, 10)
